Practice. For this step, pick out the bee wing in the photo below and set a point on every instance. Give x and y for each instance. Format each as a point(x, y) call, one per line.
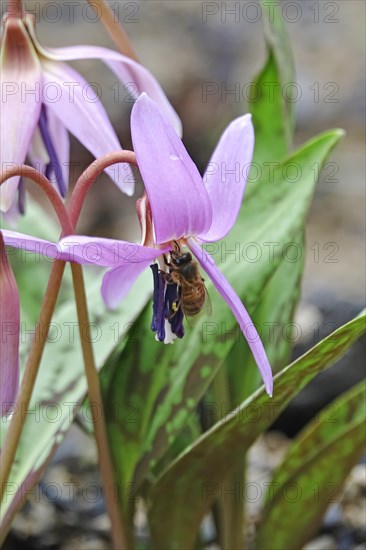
point(208, 304)
point(206, 310)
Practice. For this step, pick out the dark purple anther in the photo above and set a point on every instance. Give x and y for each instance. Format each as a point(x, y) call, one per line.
point(53, 165)
point(177, 323)
point(158, 319)
point(21, 197)
point(175, 318)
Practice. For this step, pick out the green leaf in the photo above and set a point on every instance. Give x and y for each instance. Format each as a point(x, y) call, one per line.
point(273, 118)
point(61, 384)
point(275, 213)
point(159, 386)
point(273, 110)
point(313, 472)
point(196, 477)
point(131, 382)
point(273, 314)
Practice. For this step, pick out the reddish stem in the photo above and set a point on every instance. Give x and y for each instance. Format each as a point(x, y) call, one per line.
point(120, 539)
point(89, 176)
point(47, 187)
point(115, 30)
point(48, 305)
point(14, 8)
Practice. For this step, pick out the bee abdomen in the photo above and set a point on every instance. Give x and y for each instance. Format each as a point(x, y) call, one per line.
point(193, 301)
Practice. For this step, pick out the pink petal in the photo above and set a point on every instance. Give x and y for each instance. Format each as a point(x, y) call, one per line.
point(43, 249)
point(10, 327)
point(106, 252)
point(11, 216)
point(136, 78)
point(77, 107)
point(180, 204)
point(239, 311)
point(226, 176)
point(128, 261)
point(20, 85)
point(37, 153)
point(118, 282)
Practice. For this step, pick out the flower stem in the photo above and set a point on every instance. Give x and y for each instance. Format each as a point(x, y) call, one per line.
point(15, 8)
point(96, 402)
point(57, 203)
point(115, 30)
point(30, 374)
point(48, 305)
point(89, 176)
point(31, 370)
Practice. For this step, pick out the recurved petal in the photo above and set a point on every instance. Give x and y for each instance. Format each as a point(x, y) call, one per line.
point(106, 252)
point(41, 248)
point(11, 216)
point(10, 326)
point(20, 88)
point(179, 202)
point(226, 176)
point(118, 282)
point(136, 77)
point(74, 102)
point(37, 154)
point(239, 311)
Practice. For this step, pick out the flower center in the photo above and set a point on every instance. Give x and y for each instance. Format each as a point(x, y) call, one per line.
point(167, 310)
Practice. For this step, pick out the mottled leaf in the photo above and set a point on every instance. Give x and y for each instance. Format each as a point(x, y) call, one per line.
point(275, 213)
point(196, 477)
point(313, 471)
point(272, 105)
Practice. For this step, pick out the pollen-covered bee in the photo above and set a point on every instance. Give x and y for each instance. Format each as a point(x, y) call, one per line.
point(192, 293)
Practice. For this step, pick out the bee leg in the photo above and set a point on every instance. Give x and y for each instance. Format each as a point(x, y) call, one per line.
point(166, 261)
point(167, 277)
point(174, 308)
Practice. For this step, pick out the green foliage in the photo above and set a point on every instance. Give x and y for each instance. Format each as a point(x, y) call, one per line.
point(194, 478)
point(313, 471)
point(271, 106)
point(172, 380)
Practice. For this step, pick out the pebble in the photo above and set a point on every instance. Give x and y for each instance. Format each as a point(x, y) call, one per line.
point(85, 543)
point(35, 520)
point(324, 542)
point(353, 501)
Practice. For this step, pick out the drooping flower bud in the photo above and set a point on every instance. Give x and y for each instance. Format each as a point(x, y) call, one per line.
point(9, 329)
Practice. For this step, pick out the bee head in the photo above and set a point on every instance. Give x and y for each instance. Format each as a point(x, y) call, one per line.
point(178, 259)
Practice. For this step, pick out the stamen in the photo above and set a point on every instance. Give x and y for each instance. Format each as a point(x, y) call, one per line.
point(53, 165)
point(21, 197)
point(161, 319)
point(172, 305)
point(166, 306)
point(177, 323)
point(154, 321)
point(158, 320)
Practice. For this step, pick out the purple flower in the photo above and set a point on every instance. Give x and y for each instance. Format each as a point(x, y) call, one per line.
point(43, 98)
point(180, 208)
point(185, 210)
point(10, 326)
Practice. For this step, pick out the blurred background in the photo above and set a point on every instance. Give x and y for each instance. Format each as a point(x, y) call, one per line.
point(204, 54)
